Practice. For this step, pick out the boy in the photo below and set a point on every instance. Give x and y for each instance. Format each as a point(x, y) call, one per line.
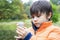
point(42, 27)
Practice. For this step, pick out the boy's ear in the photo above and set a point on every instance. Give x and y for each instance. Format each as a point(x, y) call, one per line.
point(49, 16)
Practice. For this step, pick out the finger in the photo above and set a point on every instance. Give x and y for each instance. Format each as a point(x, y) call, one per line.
point(24, 27)
point(17, 37)
point(22, 32)
point(21, 28)
point(19, 33)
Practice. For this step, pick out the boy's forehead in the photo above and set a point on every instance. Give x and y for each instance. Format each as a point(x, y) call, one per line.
point(38, 14)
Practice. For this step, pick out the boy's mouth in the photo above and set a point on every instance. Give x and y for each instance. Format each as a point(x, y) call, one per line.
point(37, 23)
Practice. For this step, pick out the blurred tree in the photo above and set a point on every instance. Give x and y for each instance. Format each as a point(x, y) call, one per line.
point(11, 9)
point(27, 7)
point(58, 3)
point(55, 14)
point(55, 2)
point(58, 8)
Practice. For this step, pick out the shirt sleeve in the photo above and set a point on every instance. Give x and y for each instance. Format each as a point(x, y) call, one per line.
point(28, 36)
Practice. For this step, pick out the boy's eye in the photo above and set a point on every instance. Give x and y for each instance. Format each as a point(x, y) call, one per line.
point(38, 16)
point(32, 16)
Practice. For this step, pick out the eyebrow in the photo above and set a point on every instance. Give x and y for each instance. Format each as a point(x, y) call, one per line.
point(36, 14)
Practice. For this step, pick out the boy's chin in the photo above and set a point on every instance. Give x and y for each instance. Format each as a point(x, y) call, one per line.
point(37, 26)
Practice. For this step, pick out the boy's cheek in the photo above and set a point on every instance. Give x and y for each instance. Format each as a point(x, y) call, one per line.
point(32, 20)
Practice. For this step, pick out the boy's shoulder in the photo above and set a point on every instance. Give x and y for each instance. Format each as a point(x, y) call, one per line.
point(54, 28)
point(55, 33)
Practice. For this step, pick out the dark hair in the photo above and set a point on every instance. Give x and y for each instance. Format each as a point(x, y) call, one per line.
point(41, 6)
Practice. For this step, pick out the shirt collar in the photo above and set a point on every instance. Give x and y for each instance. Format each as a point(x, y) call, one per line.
point(42, 26)
point(45, 25)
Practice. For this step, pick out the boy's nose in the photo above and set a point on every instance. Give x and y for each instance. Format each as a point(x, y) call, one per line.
point(35, 19)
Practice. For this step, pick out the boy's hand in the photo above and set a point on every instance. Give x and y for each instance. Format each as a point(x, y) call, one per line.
point(21, 31)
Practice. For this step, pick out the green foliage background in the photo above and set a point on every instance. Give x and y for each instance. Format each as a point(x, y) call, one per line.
point(8, 29)
point(13, 11)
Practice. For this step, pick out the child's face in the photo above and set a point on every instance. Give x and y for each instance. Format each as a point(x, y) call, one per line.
point(39, 19)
